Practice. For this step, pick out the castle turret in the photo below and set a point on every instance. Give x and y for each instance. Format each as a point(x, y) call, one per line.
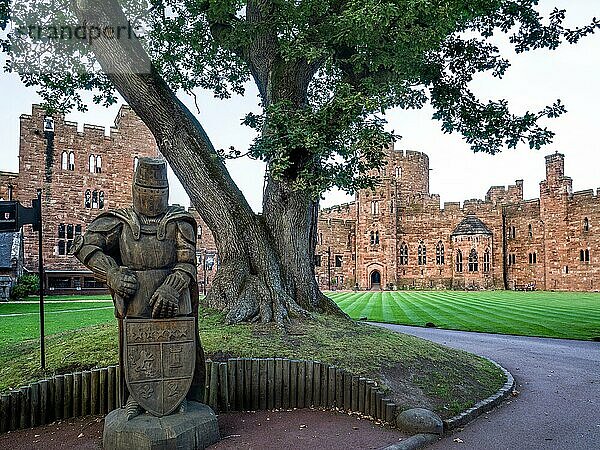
point(555, 192)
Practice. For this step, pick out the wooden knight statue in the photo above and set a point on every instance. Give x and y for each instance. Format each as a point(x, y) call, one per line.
point(147, 256)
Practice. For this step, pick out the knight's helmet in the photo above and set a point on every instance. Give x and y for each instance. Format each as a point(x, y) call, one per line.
point(151, 187)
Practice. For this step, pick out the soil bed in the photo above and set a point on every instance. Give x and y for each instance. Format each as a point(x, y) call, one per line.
point(249, 430)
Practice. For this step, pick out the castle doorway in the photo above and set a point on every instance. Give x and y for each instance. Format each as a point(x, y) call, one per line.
point(375, 280)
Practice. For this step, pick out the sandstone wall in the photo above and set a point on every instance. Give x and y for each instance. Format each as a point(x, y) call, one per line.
point(41, 165)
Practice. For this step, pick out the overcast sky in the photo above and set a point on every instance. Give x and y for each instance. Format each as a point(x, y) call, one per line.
point(535, 79)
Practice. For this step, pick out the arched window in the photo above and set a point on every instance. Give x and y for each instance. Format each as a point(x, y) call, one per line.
point(88, 199)
point(398, 172)
point(136, 160)
point(372, 238)
point(473, 261)
point(377, 238)
point(533, 258)
point(512, 232)
point(64, 161)
point(439, 253)
point(98, 164)
point(530, 231)
point(71, 161)
point(101, 200)
point(403, 254)
point(375, 207)
point(199, 231)
point(459, 260)
point(486, 260)
point(422, 254)
point(586, 224)
point(95, 199)
point(92, 164)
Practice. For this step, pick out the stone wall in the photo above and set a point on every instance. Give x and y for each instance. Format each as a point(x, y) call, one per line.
point(59, 163)
point(547, 243)
point(335, 256)
point(550, 243)
point(206, 252)
point(8, 179)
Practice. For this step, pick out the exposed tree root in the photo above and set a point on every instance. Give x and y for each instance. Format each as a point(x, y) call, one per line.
point(252, 298)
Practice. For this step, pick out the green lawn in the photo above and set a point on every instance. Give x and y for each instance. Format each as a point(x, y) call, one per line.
point(414, 372)
point(571, 315)
point(20, 321)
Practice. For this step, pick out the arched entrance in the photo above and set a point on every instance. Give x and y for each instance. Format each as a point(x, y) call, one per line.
point(375, 280)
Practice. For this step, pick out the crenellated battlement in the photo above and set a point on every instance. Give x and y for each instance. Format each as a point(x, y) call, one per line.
point(126, 118)
point(410, 155)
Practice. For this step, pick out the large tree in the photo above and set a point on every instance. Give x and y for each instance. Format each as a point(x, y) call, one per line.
point(326, 71)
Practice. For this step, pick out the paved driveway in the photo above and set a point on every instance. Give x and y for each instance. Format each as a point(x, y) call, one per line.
point(559, 383)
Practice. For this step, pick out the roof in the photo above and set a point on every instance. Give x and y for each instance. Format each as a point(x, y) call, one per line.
point(471, 225)
point(6, 249)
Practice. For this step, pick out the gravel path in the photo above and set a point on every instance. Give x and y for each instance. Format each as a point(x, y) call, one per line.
point(559, 402)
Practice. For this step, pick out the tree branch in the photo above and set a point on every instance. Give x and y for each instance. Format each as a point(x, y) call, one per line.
point(179, 135)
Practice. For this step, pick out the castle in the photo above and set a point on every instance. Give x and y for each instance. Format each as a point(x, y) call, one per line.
point(398, 236)
point(81, 174)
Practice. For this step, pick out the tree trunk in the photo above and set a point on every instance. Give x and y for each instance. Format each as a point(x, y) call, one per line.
point(292, 220)
point(267, 269)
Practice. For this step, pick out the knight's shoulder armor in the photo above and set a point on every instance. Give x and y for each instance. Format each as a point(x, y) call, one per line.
point(184, 220)
point(105, 222)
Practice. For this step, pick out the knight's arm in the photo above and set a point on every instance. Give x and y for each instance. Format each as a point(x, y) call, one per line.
point(186, 250)
point(184, 271)
point(93, 249)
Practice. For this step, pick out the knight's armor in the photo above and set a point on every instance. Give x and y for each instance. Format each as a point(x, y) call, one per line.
point(151, 248)
point(147, 256)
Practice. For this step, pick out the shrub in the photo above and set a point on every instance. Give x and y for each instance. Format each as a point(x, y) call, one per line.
point(26, 285)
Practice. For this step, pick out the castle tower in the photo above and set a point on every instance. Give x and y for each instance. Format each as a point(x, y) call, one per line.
point(555, 191)
point(404, 178)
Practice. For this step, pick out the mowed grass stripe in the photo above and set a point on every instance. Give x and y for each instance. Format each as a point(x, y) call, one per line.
point(357, 306)
point(10, 308)
point(451, 314)
point(504, 317)
point(510, 319)
point(528, 304)
point(548, 314)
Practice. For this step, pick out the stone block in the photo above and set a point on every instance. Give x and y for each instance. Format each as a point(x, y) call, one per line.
point(196, 428)
point(419, 420)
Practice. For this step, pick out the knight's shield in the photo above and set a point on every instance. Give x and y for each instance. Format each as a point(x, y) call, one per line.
point(159, 359)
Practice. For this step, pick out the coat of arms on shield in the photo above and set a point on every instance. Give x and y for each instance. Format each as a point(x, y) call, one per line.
point(159, 358)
